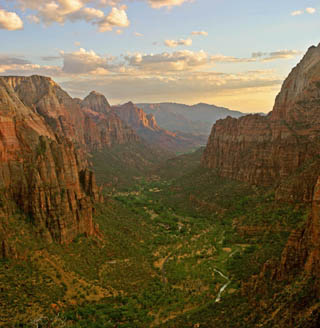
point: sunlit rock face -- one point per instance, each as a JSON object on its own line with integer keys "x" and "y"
{"x": 277, "y": 149}
{"x": 87, "y": 123}
{"x": 41, "y": 172}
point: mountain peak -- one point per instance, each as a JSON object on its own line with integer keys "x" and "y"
{"x": 97, "y": 102}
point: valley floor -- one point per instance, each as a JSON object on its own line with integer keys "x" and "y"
{"x": 170, "y": 253}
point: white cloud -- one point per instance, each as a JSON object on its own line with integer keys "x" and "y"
{"x": 10, "y": 21}
{"x": 166, "y": 3}
{"x": 82, "y": 62}
{"x": 297, "y": 13}
{"x": 87, "y": 14}
{"x": 164, "y": 76}
{"x": 117, "y": 17}
{"x": 310, "y": 10}
{"x": 180, "y": 42}
{"x": 280, "y": 54}
{"x": 203, "y": 33}
{"x": 19, "y": 68}
{"x": 167, "y": 62}
{"x": 60, "y": 11}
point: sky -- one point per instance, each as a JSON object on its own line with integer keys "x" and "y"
{"x": 229, "y": 53}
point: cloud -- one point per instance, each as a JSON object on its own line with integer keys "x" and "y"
{"x": 30, "y": 69}
{"x": 280, "y": 54}
{"x": 184, "y": 60}
{"x": 60, "y": 11}
{"x": 87, "y": 14}
{"x": 297, "y": 13}
{"x": 180, "y": 42}
{"x": 10, "y": 21}
{"x": 117, "y": 17}
{"x": 82, "y": 62}
{"x": 310, "y": 10}
{"x": 50, "y": 58}
{"x": 166, "y": 3}
{"x": 179, "y": 75}
{"x": 230, "y": 59}
{"x": 203, "y": 33}
{"x": 199, "y": 86}
{"x": 8, "y": 60}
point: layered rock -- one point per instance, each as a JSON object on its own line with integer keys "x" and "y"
{"x": 281, "y": 150}
{"x": 87, "y": 123}
{"x": 40, "y": 171}
{"x": 146, "y": 127}
{"x": 97, "y": 102}
{"x": 265, "y": 150}
{"x": 302, "y": 251}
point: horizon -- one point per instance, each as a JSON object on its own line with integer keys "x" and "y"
{"x": 157, "y": 51}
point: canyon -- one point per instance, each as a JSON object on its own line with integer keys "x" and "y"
{"x": 228, "y": 235}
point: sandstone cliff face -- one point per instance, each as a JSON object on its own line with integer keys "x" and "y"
{"x": 265, "y": 150}
{"x": 302, "y": 251}
{"x": 41, "y": 173}
{"x": 86, "y": 123}
{"x": 97, "y": 102}
{"x": 281, "y": 150}
{"x": 146, "y": 127}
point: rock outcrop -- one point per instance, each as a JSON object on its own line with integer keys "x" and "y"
{"x": 302, "y": 252}
{"x": 268, "y": 150}
{"x": 281, "y": 150}
{"x": 87, "y": 123}
{"x": 97, "y": 102}
{"x": 41, "y": 172}
{"x": 146, "y": 127}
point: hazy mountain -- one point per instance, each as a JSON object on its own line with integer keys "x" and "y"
{"x": 197, "y": 119}
{"x": 147, "y": 127}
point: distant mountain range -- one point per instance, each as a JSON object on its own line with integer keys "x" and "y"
{"x": 146, "y": 127}
{"x": 195, "y": 119}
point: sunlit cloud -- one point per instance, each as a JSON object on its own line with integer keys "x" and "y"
{"x": 116, "y": 18}
{"x": 166, "y": 3}
{"x": 153, "y": 77}
{"x": 176, "y": 43}
{"x": 10, "y": 21}
{"x": 309, "y": 10}
{"x": 297, "y": 13}
{"x": 202, "y": 33}
{"x": 60, "y": 11}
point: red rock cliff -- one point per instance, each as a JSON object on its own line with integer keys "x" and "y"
{"x": 266, "y": 150}
{"x": 41, "y": 173}
{"x": 86, "y": 123}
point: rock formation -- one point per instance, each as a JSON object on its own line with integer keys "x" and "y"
{"x": 281, "y": 150}
{"x": 265, "y": 150}
{"x": 41, "y": 172}
{"x": 146, "y": 127}
{"x": 87, "y": 123}
{"x": 97, "y": 102}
